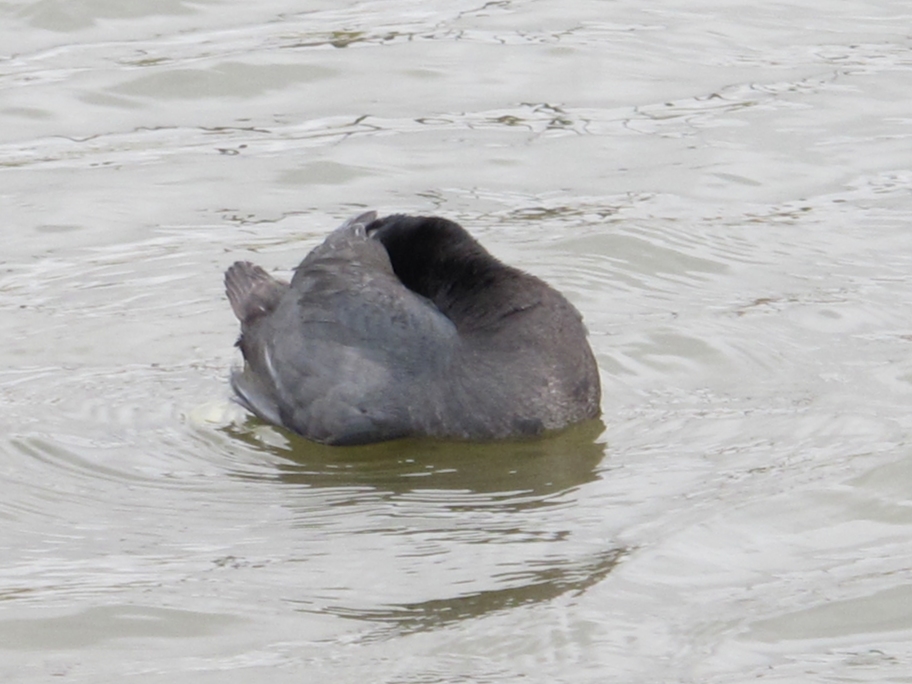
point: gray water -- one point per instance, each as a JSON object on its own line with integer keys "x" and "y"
{"x": 725, "y": 192}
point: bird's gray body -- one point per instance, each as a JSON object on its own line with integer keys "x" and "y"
{"x": 403, "y": 327}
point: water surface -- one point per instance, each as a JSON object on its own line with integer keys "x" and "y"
{"x": 724, "y": 192}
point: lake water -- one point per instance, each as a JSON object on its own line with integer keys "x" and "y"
{"x": 724, "y": 190}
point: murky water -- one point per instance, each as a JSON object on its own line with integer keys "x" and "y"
{"x": 724, "y": 191}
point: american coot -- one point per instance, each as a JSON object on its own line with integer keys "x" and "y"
{"x": 405, "y": 326}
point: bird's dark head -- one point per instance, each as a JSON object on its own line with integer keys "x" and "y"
{"x": 438, "y": 259}
{"x": 431, "y": 254}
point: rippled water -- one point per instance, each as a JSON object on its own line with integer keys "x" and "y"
{"x": 724, "y": 191}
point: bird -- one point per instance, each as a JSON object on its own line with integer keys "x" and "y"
{"x": 406, "y": 327}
